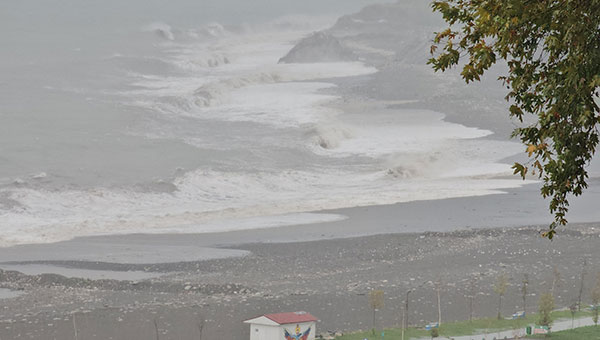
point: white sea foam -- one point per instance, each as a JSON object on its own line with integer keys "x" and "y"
{"x": 388, "y": 155}
{"x": 217, "y": 69}
{"x": 9, "y": 294}
{"x": 208, "y": 201}
{"x": 409, "y": 131}
{"x": 91, "y": 274}
{"x": 284, "y": 105}
{"x": 161, "y": 29}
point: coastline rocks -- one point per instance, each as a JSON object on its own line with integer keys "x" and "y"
{"x": 319, "y": 47}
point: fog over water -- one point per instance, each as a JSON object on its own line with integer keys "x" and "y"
{"x": 143, "y": 116}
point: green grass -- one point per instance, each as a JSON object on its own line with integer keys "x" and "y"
{"x": 393, "y": 333}
{"x": 462, "y": 327}
{"x": 582, "y": 333}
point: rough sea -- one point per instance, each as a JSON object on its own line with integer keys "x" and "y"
{"x": 154, "y": 117}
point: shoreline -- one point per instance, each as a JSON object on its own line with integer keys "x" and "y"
{"x": 514, "y": 208}
{"x": 329, "y": 278}
{"x": 326, "y": 269}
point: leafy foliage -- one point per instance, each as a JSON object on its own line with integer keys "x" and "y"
{"x": 524, "y": 284}
{"x": 500, "y": 289}
{"x": 376, "y": 302}
{"x": 546, "y": 306}
{"x": 552, "y": 49}
{"x": 376, "y": 299}
{"x": 461, "y": 328}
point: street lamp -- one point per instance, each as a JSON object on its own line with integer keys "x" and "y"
{"x": 405, "y": 313}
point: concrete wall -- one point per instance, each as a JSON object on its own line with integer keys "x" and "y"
{"x": 291, "y": 328}
{"x": 264, "y": 332}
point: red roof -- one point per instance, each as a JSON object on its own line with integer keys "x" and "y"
{"x": 293, "y": 317}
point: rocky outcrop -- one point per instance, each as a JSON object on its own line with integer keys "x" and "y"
{"x": 319, "y": 47}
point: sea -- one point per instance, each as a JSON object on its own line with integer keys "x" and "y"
{"x": 150, "y": 116}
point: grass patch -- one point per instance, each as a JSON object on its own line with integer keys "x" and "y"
{"x": 582, "y": 333}
{"x": 392, "y": 333}
{"x": 459, "y": 328}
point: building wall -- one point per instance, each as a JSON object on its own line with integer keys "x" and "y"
{"x": 264, "y": 332}
{"x": 291, "y": 328}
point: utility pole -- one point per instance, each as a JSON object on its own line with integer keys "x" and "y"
{"x": 525, "y": 282}
{"x": 438, "y": 287}
{"x": 472, "y": 284}
{"x": 75, "y": 326}
{"x": 406, "y": 309}
{"x": 156, "y": 329}
{"x": 581, "y": 285}
{"x": 405, "y": 313}
{"x": 200, "y": 327}
{"x": 403, "y": 318}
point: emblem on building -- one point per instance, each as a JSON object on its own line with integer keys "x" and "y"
{"x": 298, "y": 336}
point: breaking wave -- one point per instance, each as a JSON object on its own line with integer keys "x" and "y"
{"x": 161, "y": 30}
{"x": 166, "y": 32}
{"x": 202, "y": 83}
{"x": 205, "y": 198}
{"x": 329, "y": 136}
{"x": 213, "y": 93}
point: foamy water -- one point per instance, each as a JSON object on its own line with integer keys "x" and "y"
{"x": 200, "y": 129}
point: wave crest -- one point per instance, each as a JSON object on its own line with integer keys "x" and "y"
{"x": 167, "y": 32}
{"x": 202, "y": 61}
{"x": 213, "y": 93}
{"x": 330, "y": 136}
{"x": 160, "y": 29}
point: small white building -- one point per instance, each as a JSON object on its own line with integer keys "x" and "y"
{"x": 283, "y": 326}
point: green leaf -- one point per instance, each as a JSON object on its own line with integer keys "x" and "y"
{"x": 552, "y": 49}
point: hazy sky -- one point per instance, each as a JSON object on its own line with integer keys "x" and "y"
{"x": 185, "y": 12}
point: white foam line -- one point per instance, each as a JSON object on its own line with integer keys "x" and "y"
{"x": 37, "y": 269}
{"x": 214, "y": 201}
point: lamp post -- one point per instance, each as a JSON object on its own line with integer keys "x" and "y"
{"x": 405, "y": 313}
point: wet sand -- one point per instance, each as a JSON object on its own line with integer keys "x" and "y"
{"x": 516, "y": 207}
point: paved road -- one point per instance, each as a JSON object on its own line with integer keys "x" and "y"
{"x": 561, "y": 325}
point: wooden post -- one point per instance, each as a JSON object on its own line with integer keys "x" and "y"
{"x": 581, "y": 286}
{"x": 200, "y": 328}
{"x": 403, "y": 315}
{"x": 438, "y": 286}
{"x": 75, "y": 327}
{"x": 406, "y": 309}
{"x": 156, "y": 329}
{"x": 524, "y": 292}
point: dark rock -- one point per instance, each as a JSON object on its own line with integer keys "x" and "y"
{"x": 319, "y": 47}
